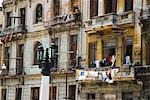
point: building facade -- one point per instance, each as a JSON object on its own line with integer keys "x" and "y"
{"x": 142, "y": 72}
{"x": 97, "y": 44}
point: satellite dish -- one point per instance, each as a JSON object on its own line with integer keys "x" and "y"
{"x": 3, "y": 66}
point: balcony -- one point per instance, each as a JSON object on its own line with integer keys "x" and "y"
{"x": 105, "y": 74}
{"x": 101, "y": 21}
{"x": 59, "y": 21}
{"x": 13, "y": 72}
{"x": 125, "y": 74}
{"x": 15, "y": 29}
{"x": 112, "y": 19}
{"x": 126, "y": 18}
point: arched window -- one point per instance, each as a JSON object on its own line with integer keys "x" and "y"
{"x": 36, "y": 45}
{"x": 39, "y": 13}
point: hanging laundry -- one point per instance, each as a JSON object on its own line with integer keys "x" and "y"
{"x": 102, "y": 63}
{"x": 128, "y": 61}
{"x": 97, "y": 63}
{"x": 109, "y": 76}
{"x": 113, "y": 59}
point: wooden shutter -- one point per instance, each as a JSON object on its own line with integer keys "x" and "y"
{"x": 23, "y": 15}
{"x": 72, "y": 92}
{"x": 128, "y": 5}
{"x": 54, "y": 92}
{"x": 108, "y": 6}
{"x": 114, "y": 6}
{"x": 93, "y": 8}
{"x": 92, "y": 52}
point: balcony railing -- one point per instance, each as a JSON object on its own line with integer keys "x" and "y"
{"x": 15, "y": 29}
{"x": 126, "y": 17}
{"x": 125, "y": 73}
{"x": 104, "y": 20}
{"x": 111, "y": 19}
{"x": 12, "y": 72}
{"x": 58, "y": 20}
{"x": 106, "y": 74}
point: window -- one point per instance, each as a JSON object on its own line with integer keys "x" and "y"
{"x": 8, "y": 19}
{"x": 19, "y": 60}
{"x": 93, "y": 8}
{"x": 128, "y": 5}
{"x": 129, "y": 47}
{"x": 23, "y": 16}
{"x": 148, "y": 53}
{"x": 39, "y": 13}
{"x": 18, "y": 93}
{"x": 6, "y": 57}
{"x": 110, "y": 6}
{"x": 91, "y": 96}
{"x": 35, "y": 93}
{"x": 127, "y": 96}
{"x": 36, "y": 45}
{"x": 73, "y": 49}
{"x": 72, "y": 92}
{"x": 109, "y": 49}
{"x": 55, "y": 60}
{"x": 148, "y": 2}
{"x": 54, "y": 90}
{"x": 3, "y": 95}
{"x": 109, "y": 97}
{"x": 56, "y": 7}
{"x": 92, "y": 53}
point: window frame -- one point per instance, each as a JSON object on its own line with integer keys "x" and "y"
{"x": 93, "y": 8}
{"x": 54, "y": 94}
{"x": 91, "y": 94}
{"x": 4, "y": 95}
{"x": 33, "y": 89}
{"x": 8, "y": 19}
{"x": 35, "y": 48}
{"x": 112, "y": 9}
{"x": 73, "y": 47}
{"x": 72, "y": 91}
{"x": 56, "y": 7}
{"x": 126, "y": 2}
{"x": 22, "y": 20}
{"x": 92, "y": 51}
{"x": 18, "y": 95}
{"x": 108, "y": 47}
{"x": 7, "y": 57}
{"x": 126, "y": 43}
{"x": 42, "y": 12}
{"x": 20, "y": 59}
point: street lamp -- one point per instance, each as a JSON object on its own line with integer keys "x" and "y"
{"x": 46, "y": 64}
